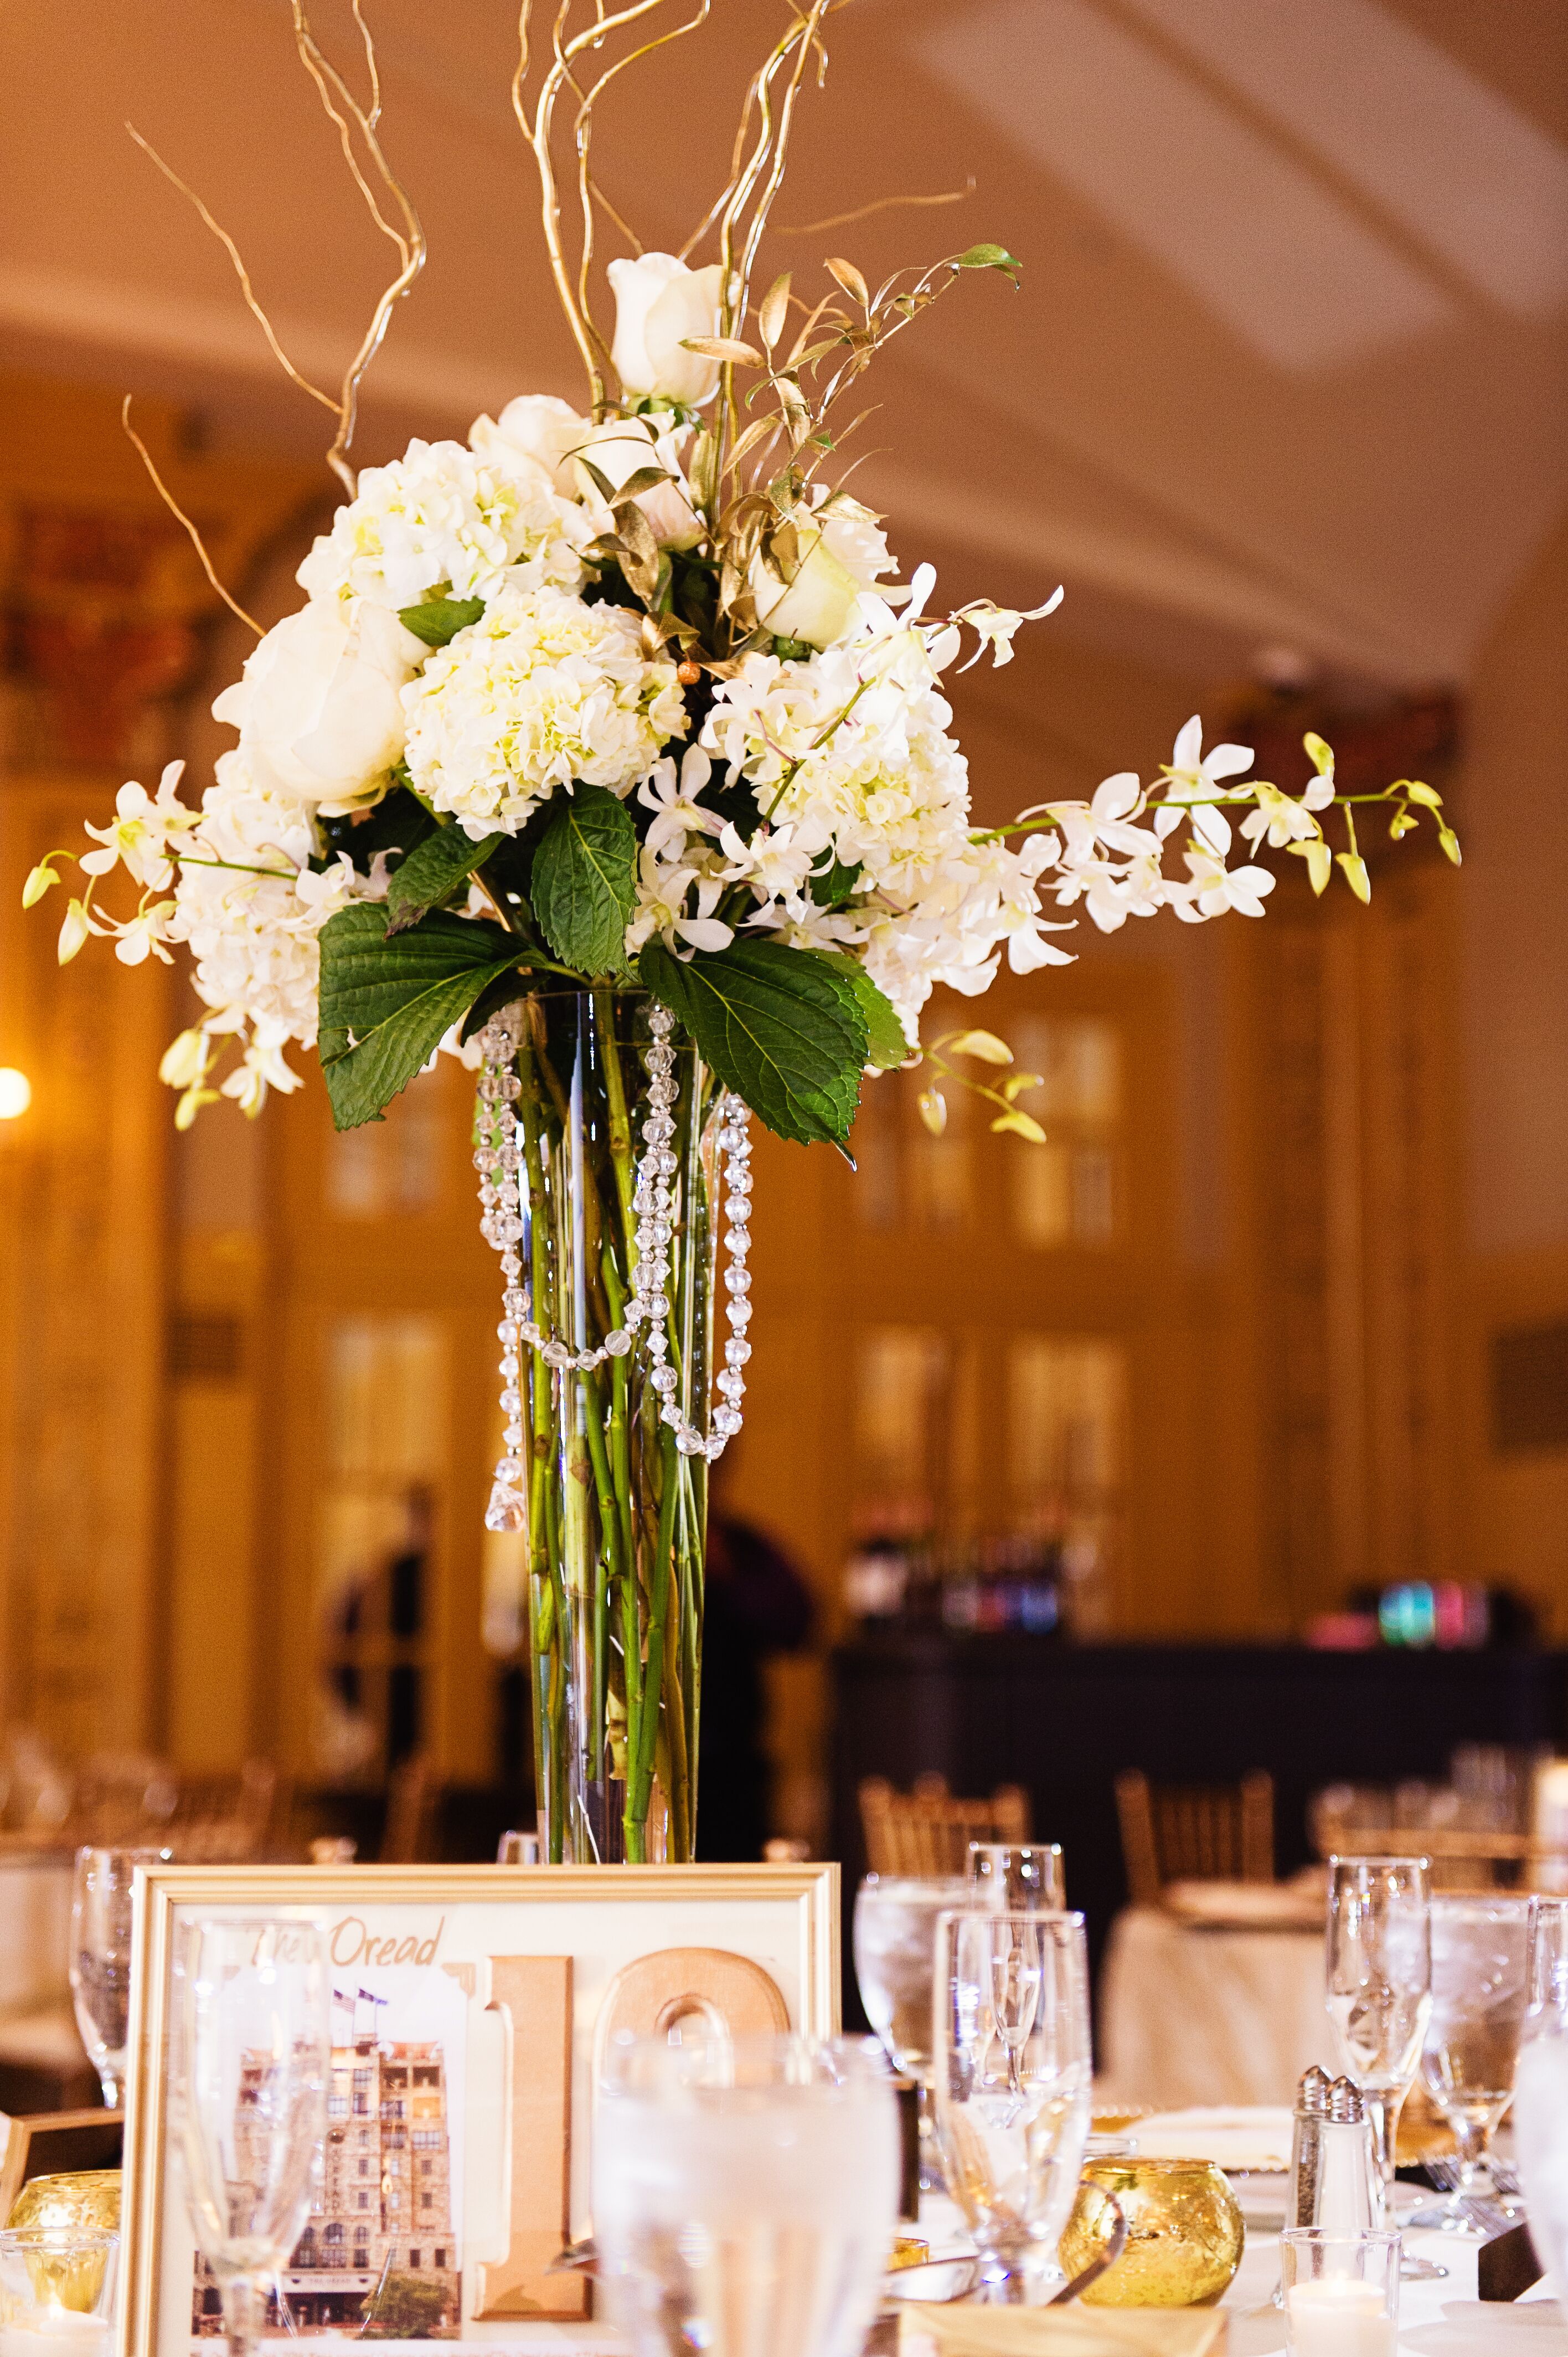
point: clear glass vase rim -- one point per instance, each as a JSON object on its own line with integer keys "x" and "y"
{"x": 1067, "y": 1919}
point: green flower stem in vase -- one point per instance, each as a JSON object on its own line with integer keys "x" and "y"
{"x": 599, "y": 1142}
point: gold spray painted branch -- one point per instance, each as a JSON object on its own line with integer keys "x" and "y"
{"x": 879, "y": 205}
{"x": 345, "y": 111}
{"x": 174, "y": 509}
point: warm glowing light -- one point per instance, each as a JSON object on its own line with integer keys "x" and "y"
{"x": 16, "y": 1092}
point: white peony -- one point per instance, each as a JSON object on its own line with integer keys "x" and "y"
{"x": 534, "y": 436}
{"x": 443, "y": 519}
{"x": 543, "y": 691}
{"x": 659, "y": 302}
{"x": 318, "y": 709}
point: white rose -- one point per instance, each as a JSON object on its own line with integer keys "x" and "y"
{"x": 659, "y": 303}
{"x": 617, "y": 449}
{"x": 533, "y": 437}
{"x": 320, "y": 709}
{"x": 818, "y": 601}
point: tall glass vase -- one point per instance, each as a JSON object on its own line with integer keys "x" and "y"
{"x": 581, "y": 1102}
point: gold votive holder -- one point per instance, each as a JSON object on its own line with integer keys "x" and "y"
{"x": 1184, "y": 2234}
{"x": 80, "y": 2200}
{"x": 907, "y": 2251}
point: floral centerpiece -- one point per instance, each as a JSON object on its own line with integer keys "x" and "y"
{"x": 609, "y": 751}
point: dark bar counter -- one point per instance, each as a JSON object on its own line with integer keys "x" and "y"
{"x": 1063, "y": 1720}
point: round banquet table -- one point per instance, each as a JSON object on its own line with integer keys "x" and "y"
{"x": 1191, "y": 2014}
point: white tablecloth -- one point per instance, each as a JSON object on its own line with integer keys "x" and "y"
{"x": 1194, "y": 2016}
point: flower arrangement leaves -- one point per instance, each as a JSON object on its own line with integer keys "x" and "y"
{"x": 785, "y": 1031}
{"x": 432, "y": 872}
{"x": 583, "y": 886}
{"x": 387, "y": 1002}
{"x": 438, "y": 619}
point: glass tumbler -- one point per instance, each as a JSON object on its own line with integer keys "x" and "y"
{"x": 1340, "y": 2292}
{"x": 1011, "y": 2091}
{"x": 745, "y": 2194}
{"x": 1020, "y": 1876}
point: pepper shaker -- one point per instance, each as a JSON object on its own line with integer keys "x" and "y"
{"x": 1307, "y": 2145}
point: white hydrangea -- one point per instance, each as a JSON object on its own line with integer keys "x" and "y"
{"x": 542, "y": 690}
{"x": 445, "y": 518}
{"x": 251, "y": 924}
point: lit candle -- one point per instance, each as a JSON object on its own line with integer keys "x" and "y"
{"x": 55, "y": 2332}
{"x": 1335, "y": 2316}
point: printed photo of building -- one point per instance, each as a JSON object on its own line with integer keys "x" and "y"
{"x": 380, "y": 2249}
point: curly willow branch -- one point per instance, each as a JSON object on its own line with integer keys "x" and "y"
{"x": 344, "y": 110}
{"x": 175, "y": 510}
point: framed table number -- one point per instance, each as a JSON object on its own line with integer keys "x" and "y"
{"x": 471, "y": 2007}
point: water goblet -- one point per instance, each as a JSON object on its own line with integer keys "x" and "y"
{"x": 100, "y": 1966}
{"x": 252, "y": 2064}
{"x": 1379, "y": 1985}
{"x": 1023, "y": 1877}
{"x": 1540, "y": 2090}
{"x": 745, "y": 2194}
{"x": 1480, "y": 1989}
{"x": 1012, "y": 2093}
{"x": 894, "y": 1961}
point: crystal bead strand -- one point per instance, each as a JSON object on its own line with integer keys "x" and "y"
{"x": 498, "y": 1161}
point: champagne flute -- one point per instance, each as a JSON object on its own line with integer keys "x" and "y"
{"x": 100, "y": 1958}
{"x": 1480, "y": 1987}
{"x": 1380, "y": 1987}
{"x": 1023, "y": 1877}
{"x": 745, "y": 2194}
{"x": 254, "y": 2059}
{"x": 1540, "y": 2090}
{"x": 1013, "y": 2069}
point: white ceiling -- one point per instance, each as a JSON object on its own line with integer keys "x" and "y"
{"x": 1288, "y": 364}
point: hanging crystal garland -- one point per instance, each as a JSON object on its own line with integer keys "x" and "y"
{"x": 498, "y": 1159}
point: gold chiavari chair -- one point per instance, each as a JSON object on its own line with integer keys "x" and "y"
{"x": 925, "y": 1832}
{"x": 1194, "y": 1833}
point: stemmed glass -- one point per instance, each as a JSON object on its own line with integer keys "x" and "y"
{"x": 1379, "y": 1990}
{"x": 894, "y": 1959}
{"x": 254, "y": 2062}
{"x": 1013, "y": 2071}
{"x": 100, "y": 1958}
{"x": 745, "y": 2194}
{"x": 1540, "y": 2090}
{"x": 1480, "y": 1987}
{"x": 1025, "y": 1876}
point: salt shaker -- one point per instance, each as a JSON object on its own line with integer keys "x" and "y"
{"x": 1307, "y": 2146}
{"x": 1345, "y": 2203}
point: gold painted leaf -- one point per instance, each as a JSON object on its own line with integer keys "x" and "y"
{"x": 724, "y": 347}
{"x": 774, "y": 310}
{"x": 850, "y": 279}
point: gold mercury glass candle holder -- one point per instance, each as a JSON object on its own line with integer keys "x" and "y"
{"x": 84, "y": 2200}
{"x": 1184, "y": 2234}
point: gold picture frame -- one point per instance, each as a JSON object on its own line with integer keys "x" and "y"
{"x": 514, "y": 1976}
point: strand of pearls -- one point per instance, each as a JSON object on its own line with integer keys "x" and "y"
{"x": 498, "y": 1158}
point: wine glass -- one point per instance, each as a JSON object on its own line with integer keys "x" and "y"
{"x": 1379, "y": 1985}
{"x": 1025, "y": 1876}
{"x": 1012, "y": 2071}
{"x": 1540, "y": 2090}
{"x": 1480, "y": 1988}
{"x": 254, "y": 2059}
{"x": 745, "y": 2194}
{"x": 100, "y": 1958}
{"x": 894, "y": 1959}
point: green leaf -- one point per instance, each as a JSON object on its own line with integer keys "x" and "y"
{"x": 987, "y": 257}
{"x": 439, "y": 620}
{"x": 436, "y": 869}
{"x": 886, "y": 1047}
{"x": 780, "y": 1025}
{"x": 386, "y": 1000}
{"x": 838, "y": 881}
{"x": 584, "y": 880}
